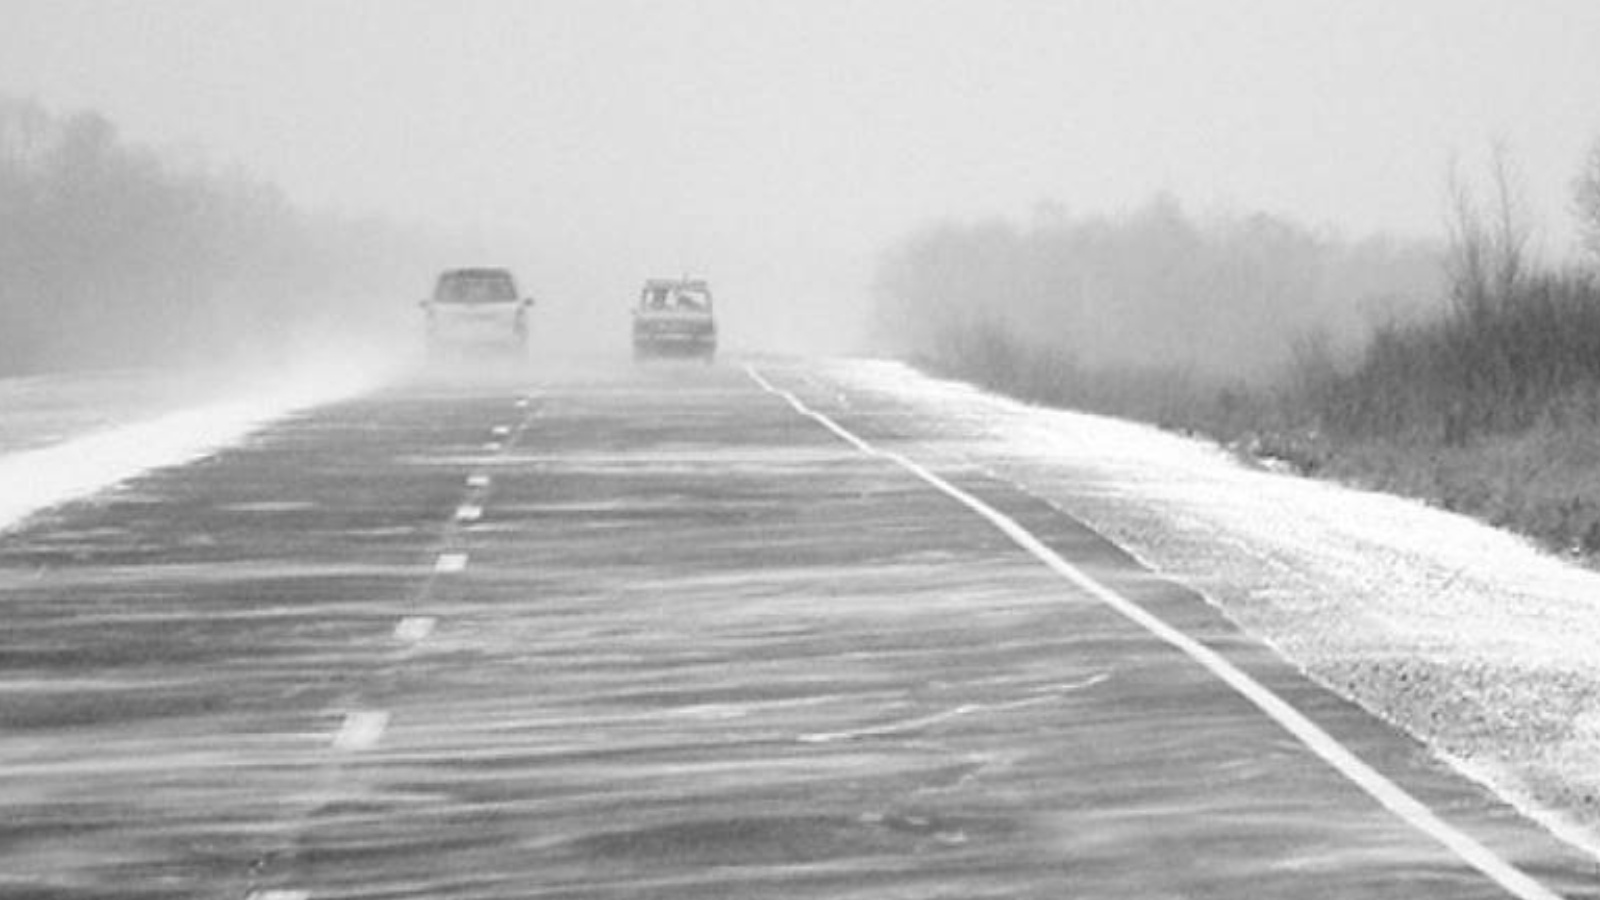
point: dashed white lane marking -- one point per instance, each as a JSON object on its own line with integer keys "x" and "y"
{"x": 278, "y": 895}
{"x": 522, "y": 402}
{"x": 478, "y": 481}
{"x": 492, "y": 447}
{"x": 361, "y": 730}
{"x": 414, "y": 629}
{"x": 450, "y": 562}
{"x": 500, "y": 431}
{"x": 1392, "y": 796}
{"x": 469, "y": 512}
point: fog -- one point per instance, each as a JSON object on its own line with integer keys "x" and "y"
{"x": 111, "y": 255}
{"x": 778, "y": 150}
{"x": 1227, "y": 296}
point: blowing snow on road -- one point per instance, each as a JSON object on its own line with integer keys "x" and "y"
{"x": 799, "y": 451}
{"x": 680, "y": 630}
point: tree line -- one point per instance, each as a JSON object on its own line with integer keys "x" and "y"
{"x": 112, "y": 255}
{"x": 1228, "y": 297}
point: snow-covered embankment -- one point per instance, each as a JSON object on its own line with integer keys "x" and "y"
{"x": 39, "y": 477}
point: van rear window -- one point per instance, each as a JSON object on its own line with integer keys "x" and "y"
{"x": 475, "y": 287}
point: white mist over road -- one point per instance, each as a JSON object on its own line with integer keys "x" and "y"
{"x": 775, "y": 148}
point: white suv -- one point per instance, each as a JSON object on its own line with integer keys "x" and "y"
{"x": 477, "y": 307}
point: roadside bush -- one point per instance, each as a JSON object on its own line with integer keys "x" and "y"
{"x": 1495, "y": 367}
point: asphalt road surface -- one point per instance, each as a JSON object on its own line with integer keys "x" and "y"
{"x": 669, "y": 631}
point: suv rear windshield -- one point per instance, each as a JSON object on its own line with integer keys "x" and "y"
{"x": 475, "y": 287}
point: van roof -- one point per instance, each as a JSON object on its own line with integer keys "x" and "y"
{"x": 481, "y": 272}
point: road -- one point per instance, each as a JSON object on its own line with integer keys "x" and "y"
{"x": 671, "y": 631}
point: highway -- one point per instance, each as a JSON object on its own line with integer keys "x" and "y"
{"x": 671, "y": 631}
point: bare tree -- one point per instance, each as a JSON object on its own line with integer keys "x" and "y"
{"x": 1586, "y": 201}
{"x": 1488, "y": 246}
{"x": 24, "y": 133}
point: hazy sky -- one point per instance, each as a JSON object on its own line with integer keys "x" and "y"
{"x": 776, "y": 146}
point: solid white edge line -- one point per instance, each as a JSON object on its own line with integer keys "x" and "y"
{"x": 1392, "y": 796}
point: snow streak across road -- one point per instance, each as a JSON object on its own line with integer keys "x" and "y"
{"x": 671, "y": 632}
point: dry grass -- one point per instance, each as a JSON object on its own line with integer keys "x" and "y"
{"x": 1543, "y": 481}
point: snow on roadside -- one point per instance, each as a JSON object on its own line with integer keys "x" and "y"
{"x": 40, "y": 477}
{"x": 1470, "y": 638}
